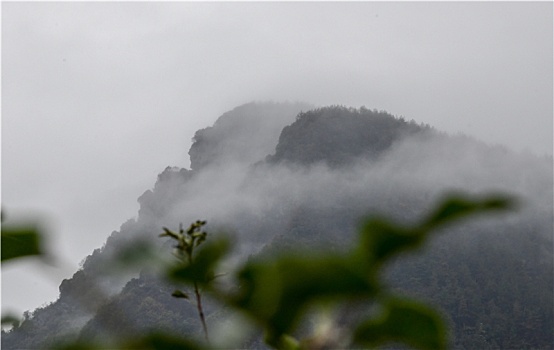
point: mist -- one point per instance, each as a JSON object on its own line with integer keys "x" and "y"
{"x": 259, "y": 199}
{"x": 262, "y": 202}
{"x": 99, "y": 98}
{"x": 372, "y": 164}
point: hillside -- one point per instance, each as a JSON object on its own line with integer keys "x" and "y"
{"x": 282, "y": 176}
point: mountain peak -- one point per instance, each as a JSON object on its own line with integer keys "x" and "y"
{"x": 245, "y": 134}
{"x": 338, "y": 135}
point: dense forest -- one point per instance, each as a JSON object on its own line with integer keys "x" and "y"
{"x": 292, "y": 177}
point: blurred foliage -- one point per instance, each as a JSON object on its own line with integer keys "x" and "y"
{"x": 20, "y": 241}
{"x": 197, "y": 269}
{"x": 277, "y": 292}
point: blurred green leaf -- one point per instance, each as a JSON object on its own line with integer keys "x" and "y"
{"x": 404, "y": 321}
{"x": 179, "y": 294}
{"x": 381, "y": 239}
{"x": 276, "y": 293}
{"x": 202, "y": 268}
{"x": 457, "y": 206}
{"x": 289, "y": 343}
{"x": 20, "y": 242}
{"x": 10, "y": 319}
{"x": 169, "y": 233}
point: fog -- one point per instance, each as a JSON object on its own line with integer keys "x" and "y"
{"x": 257, "y": 200}
{"x": 99, "y": 98}
{"x": 420, "y": 169}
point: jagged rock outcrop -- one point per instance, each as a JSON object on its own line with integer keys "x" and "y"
{"x": 245, "y": 135}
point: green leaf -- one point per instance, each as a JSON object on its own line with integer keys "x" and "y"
{"x": 457, "y": 206}
{"x": 169, "y": 233}
{"x": 277, "y": 292}
{"x": 19, "y": 242}
{"x": 10, "y": 319}
{"x": 179, "y": 294}
{"x": 403, "y": 321}
{"x": 381, "y": 239}
{"x": 289, "y": 343}
{"x": 201, "y": 270}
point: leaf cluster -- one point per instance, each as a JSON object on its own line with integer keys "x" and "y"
{"x": 277, "y": 292}
{"x": 19, "y": 242}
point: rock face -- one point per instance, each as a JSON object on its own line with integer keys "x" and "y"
{"x": 246, "y": 134}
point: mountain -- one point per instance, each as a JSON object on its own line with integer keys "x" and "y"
{"x": 244, "y": 135}
{"x": 337, "y": 136}
{"x": 287, "y": 176}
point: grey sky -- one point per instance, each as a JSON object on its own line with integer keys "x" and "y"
{"x": 98, "y": 98}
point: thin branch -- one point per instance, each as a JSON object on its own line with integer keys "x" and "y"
{"x": 201, "y": 312}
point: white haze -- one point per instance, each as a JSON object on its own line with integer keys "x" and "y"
{"x": 257, "y": 202}
{"x": 254, "y": 203}
{"x": 425, "y": 168}
{"x": 98, "y": 98}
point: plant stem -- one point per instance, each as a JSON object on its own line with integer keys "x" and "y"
{"x": 201, "y": 312}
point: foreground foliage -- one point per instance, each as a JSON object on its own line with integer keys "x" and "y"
{"x": 278, "y": 292}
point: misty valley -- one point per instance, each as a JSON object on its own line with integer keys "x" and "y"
{"x": 291, "y": 177}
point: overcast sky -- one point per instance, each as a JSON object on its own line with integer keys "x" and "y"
{"x": 98, "y": 98}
